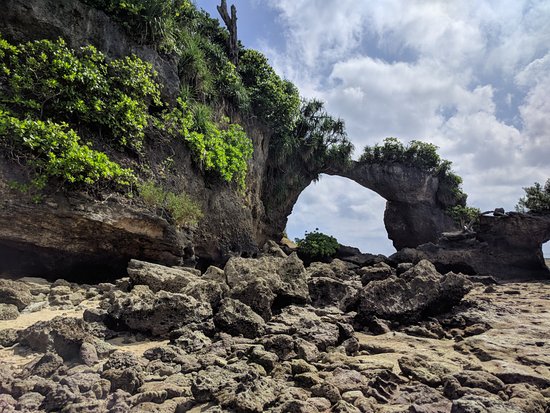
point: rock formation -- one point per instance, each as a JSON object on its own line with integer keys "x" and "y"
{"x": 95, "y": 347}
{"x": 234, "y": 224}
{"x": 506, "y": 246}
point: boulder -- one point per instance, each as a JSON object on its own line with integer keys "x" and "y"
{"x": 8, "y": 311}
{"x": 419, "y": 292}
{"x": 15, "y": 293}
{"x": 325, "y": 292}
{"x": 267, "y": 282}
{"x": 376, "y": 272}
{"x": 159, "y": 277}
{"x": 156, "y": 314}
{"x": 238, "y": 387}
{"x": 481, "y": 404}
{"x": 304, "y": 323}
{"x": 62, "y": 335}
{"x": 124, "y": 371}
{"x": 236, "y": 318}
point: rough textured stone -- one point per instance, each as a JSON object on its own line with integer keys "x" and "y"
{"x": 416, "y": 293}
{"x": 236, "y": 318}
{"x": 61, "y": 335}
{"x": 326, "y": 292}
{"x": 267, "y": 282}
{"x": 507, "y": 247}
{"x": 8, "y": 312}
{"x": 480, "y": 404}
{"x": 124, "y": 371}
{"x": 15, "y": 293}
{"x": 159, "y": 277}
{"x": 156, "y": 314}
{"x": 238, "y": 387}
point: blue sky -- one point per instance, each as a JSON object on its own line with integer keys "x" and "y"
{"x": 470, "y": 77}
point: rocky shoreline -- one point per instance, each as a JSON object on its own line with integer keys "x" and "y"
{"x": 267, "y": 334}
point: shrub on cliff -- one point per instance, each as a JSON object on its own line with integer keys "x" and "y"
{"x": 54, "y": 150}
{"x": 179, "y": 207}
{"x": 316, "y": 246}
{"x": 421, "y": 155}
{"x": 536, "y": 199}
{"x": 225, "y": 150}
{"x": 46, "y": 80}
{"x": 464, "y": 216}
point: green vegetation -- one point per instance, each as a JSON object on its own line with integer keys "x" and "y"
{"x": 464, "y": 216}
{"x": 275, "y": 100}
{"x": 317, "y": 246}
{"x": 55, "y": 151}
{"x": 225, "y": 150}
{"x": 179, "y": 207}
{"x": 58, "y": 91}
{"x": 47, "y": 80}
{"x": 420, "y": 155}
{"x": 536, "y": 199}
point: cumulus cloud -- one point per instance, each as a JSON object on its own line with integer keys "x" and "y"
{"x": 471, "y": 77}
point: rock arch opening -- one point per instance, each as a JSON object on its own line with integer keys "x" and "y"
{"x": 340, "y": 207}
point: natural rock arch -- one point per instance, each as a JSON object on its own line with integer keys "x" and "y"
{"x": 415, "y": 200}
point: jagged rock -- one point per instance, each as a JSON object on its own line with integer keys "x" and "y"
{"x": 262, "y": 283}
{"x": 376, "y": 272}
{"x": 257, "y": 294}
{"x": 45, "y": 366}
{"x": 159, "y": 277}
{"x": 325, "y": 292}
{"x": 237, "y": 318}
{"x": 336, "y": 269}
{"x": 304, "y": 323}
{"x": 527, "y": 398}
{"x": 29, "y": 402}
{"x": 189, "y": 340}
{"x": 88, "y": 354}
{"x": 480, "y": 404}
{"x": 171, "y": 354}
{"x": 8, "y": 403}
{"x": 156, "y": 314}
{"x": 306, "y": 350}
{"x": 175, "y": 385}
{"x": 506, "y": 247}
{"x": 425, "y": 371}
{"x": 480, "y": 380}
{"x": 8, "y": 312}
{"x": 58, "y": 398}
{"x": 273, "y": 249}
{"x": 15, "y": 293}
{"x": 124, "y": 371}
{"x": 281, "y": 344}
{"x": 355, "y": 256}
{"x": 266, "y": 359}
{"x": 8, "y": 337}
{"x": 238, "y": 387}
{"x": 63, "y": 335}
{"x": 416, "y": 293}
{"x": 208, "y": 291}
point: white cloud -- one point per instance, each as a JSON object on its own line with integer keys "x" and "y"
{"x": 452, "y": 73}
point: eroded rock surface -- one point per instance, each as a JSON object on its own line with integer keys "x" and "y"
{"x": 174, "y": 353}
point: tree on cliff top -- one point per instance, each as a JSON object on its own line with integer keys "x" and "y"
{"x": 536, "y": 199}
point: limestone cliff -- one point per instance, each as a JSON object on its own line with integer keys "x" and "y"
{"x": 101, "y": 235}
